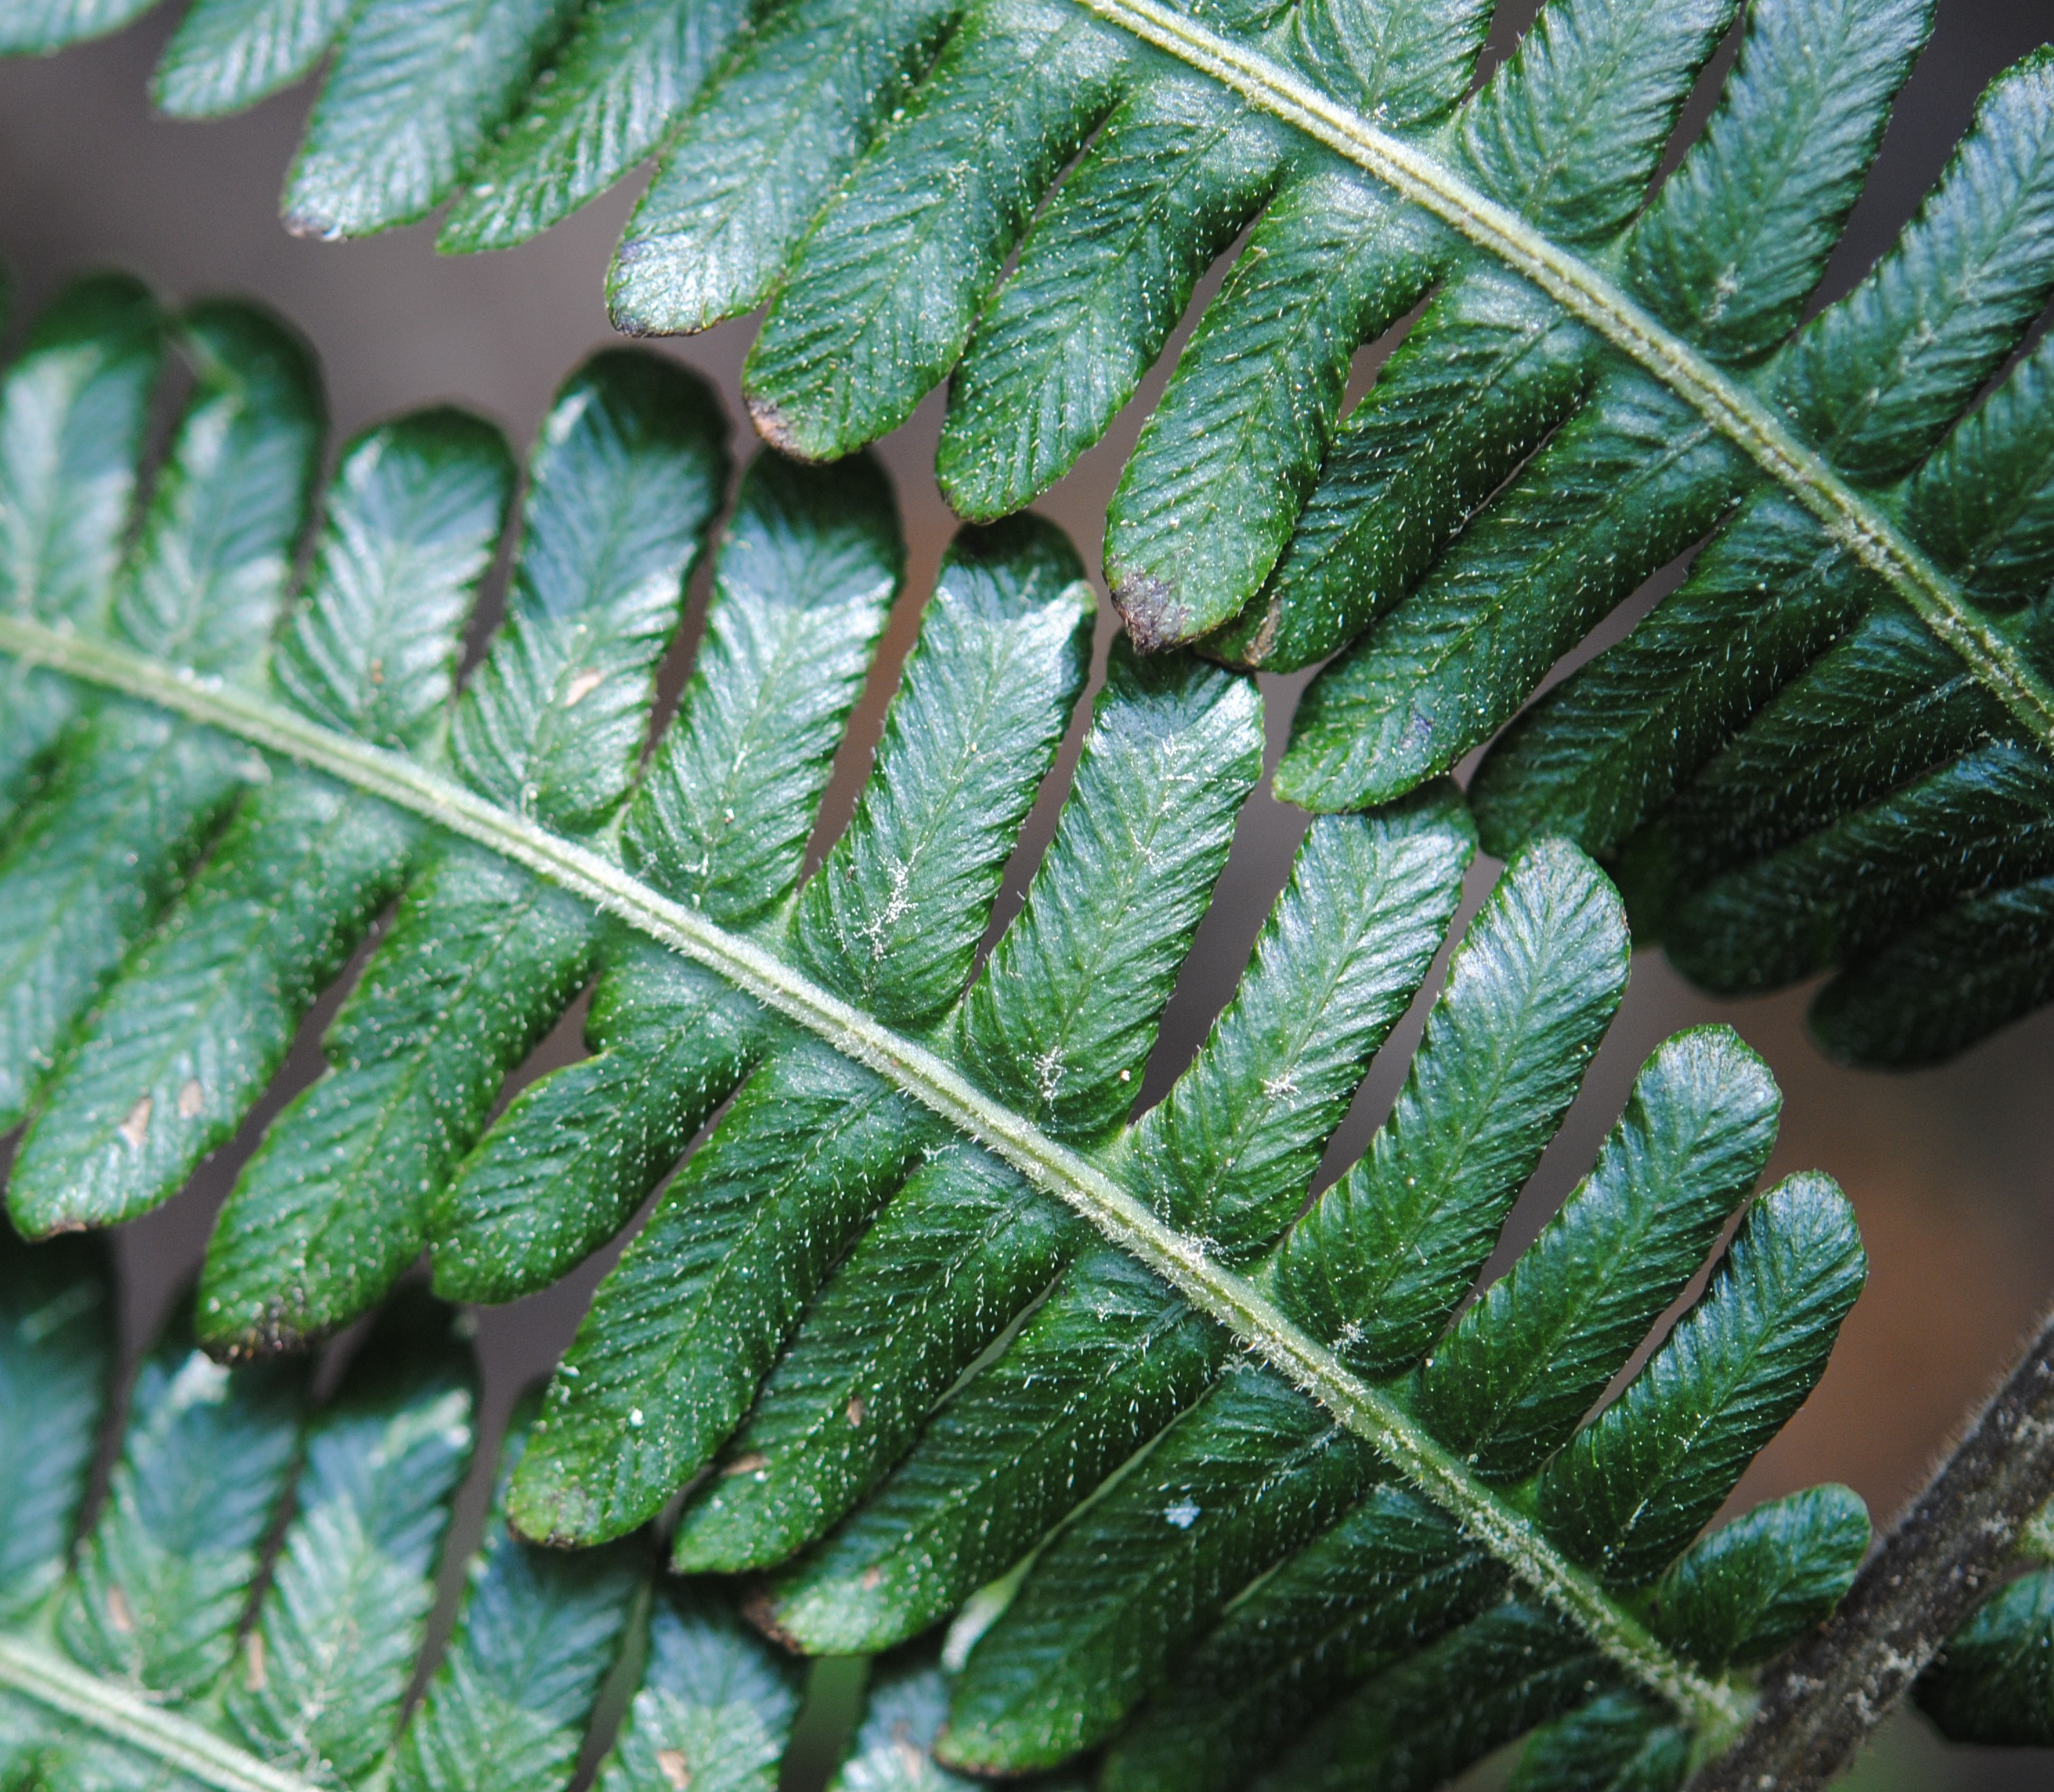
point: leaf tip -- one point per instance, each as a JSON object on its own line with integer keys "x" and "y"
{"x": 782, "y": 431}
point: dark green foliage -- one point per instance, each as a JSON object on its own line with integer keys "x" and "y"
{"x": 410, "y": 101}
{"x": 894, "y": 918}
{"x": 127, "y": 805}
{"x": 1248, "y": 1476}
{"x": 1778, "y": 721}
{"x": 1731, "y": 248}
{"x": 72, "y": 416}
{"x": 1380, "y": 1262}
{"x": 1401, "y": 1733}
{"x": 1650, "y": 1471}
{"x": 1243, "y": 425}
{"x": 877, "y": 1362}
{"x": 201, "y": 1640}
{"x": 619, "y": 74}
{"x": 1752, "y": 1587}
{"x": 330, "y": 1211}
{"x": 184, "y": 1044}
{"x": 481, "y": 958}
{"x": 1389, "y": 1578}
{"x": 1016, "y": 198}
{"x": 761, "y": 151}
{"x": 1175, "y": 169}
{"x": 885, "y": 1367}
{"x": 327, "y": 1659}
{"x": 1063, "y": 1019}
{"x": 807, "y": 571}
{"x": 55, "y": 1351}
{"x": 1994, "y": 1683}
{"x": 1617, "y": 1743}
{"x": 1632, "y": 481}
{"x": 537, "y": 1636}
{"x": 715, "y": 1708}
{"x": 1062, "y": 1667}
{"x": 579, "y": 1149}
{"x": 1527, "y": 1360}
{"x": 1229, "y": 1152}
{"x": 161, "y": 1584}
{"x": 963, "y": 1246}
{"x": 226, "y": 54}
{"x": 1105, "y": 1362}
{"x": 893, "y": 1750}
{"x": 880, "y": 301}
{"x": 685, "y": 1325}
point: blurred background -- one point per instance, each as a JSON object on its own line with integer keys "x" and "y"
{"x": 1952, "y": 1170}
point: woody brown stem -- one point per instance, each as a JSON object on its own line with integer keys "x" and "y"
{"x": 1823, "y": 1700}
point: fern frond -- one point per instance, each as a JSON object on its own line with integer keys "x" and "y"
{"x": 1607, "y": 362}
{"x": 248, "y": 1605}
{"x": 932, "y": 1306}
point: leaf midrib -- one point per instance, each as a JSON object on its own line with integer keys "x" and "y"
{"x": 131, "y": 1719}
{"x": 1578, "y": 285}
{"x": 1715, "y": 1711}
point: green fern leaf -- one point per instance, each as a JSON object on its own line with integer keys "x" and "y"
{"x": 127, "y": 809}
{"x": 760, "y": 151}
{"x": 537, "y": 1637}
{"x": 623, "y": 72}
{"x": 160, "y": 1587}
{"x": 414, "y": 96}
{"x": 44, "y": 26}
{"x": 715, "y": 1708}
{"x": 1608, "y": 354}
{"x": 227, "y": 54}
{"x": 53, "y": 1379}
{"x": 298, "y": 876}
{"x": 72, "y": 416}
{"x": 190, "y": 1645}
{"x": 1370, "y": 1591}
{"x": 1617, "y": 1743}
{"x": 1991, "y": 1684}
{"x": 1749, "y": 1590}
{"x": 931, "y": 1324}
{"x": 482, "y": 958}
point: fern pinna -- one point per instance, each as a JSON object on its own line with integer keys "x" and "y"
{"x": 928, "y": 1326}
{"x": 1850, "y": 695}
{"x": 192, "y": 1644}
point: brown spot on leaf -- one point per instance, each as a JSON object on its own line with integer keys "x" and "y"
{"x": 761, "y": 1610}
{"x": 119, "y": 1613}
{"x": 252, "y": 1661}
{"x": 582, "y": 686}
{"x": 855, "y": 1411}
{"x": 747, "y": 1464}
{"x": 312, "y": 224}
{"x": 776, "y": 428}
{"x": 191, "y": 1098}
{"x": 1154, "y": 617}
{"x": 671, "y": 1761}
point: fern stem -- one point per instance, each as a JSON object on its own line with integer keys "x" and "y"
{"x": 111, "y": 1709}
{"x": 1714, "y": 1710}
{"x": 1822, "y": 1700}
{"x": 1587, "y": 294}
